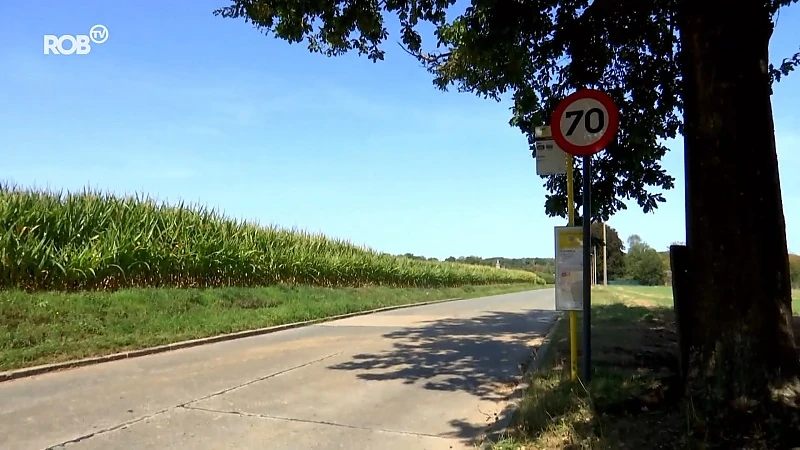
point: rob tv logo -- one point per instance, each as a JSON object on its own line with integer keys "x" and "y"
{"x": 80, "y": 44}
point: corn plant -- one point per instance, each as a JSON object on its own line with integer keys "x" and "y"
{"x": 90, "y": 240}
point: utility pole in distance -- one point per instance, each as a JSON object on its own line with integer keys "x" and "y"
{"x": 605, "y": 255}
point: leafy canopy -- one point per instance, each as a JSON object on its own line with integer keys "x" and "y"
{"x": 536, "y": 52}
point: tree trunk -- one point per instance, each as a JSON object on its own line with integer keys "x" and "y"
{"x": 742, "y": 345}
{"x": 679, "y": 259}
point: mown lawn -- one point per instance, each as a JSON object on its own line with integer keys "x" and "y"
{"x": 46, "y": 327}
{"x": 662, "y": 295}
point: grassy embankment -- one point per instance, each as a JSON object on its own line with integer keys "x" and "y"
{"x": 629, "y": 404}
{"x": 87, "y": 274}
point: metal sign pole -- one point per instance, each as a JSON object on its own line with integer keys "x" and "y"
{"x": 552, "y": 160}
{"x": 573, "y": 315}
{"x": 584, "y": 123}
{"x": 587, "y": 280}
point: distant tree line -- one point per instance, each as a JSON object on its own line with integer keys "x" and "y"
{"x": 641, "y": 263}
{"x": 538, "y": 265}
{"x": 544, "y": 267}
{"x": 644, "y": 264}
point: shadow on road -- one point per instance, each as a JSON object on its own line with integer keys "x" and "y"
{"x": 472, "y": 355}
{"x": 483, "y": 356}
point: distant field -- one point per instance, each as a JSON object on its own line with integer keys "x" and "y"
{"x": 796, "y": 302}
{"x": 93, "y": 241}
{"x": 662, "y": 295}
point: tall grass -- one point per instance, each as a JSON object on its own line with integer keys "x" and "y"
{"x": 90, "y": 240}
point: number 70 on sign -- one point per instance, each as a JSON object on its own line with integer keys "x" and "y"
{"x": 585, "y": 122}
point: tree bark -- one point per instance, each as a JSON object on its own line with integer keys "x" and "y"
{"x": 742, "y": 345}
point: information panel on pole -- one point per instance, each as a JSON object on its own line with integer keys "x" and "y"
{"x": 569, "y": 268}
{"x": 550, "y": 160}
{"x": 585, "y": 122}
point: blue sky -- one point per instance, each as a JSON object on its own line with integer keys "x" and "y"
{"x": 183, "y": 105}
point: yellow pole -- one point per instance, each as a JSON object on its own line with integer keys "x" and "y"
{"x": 573, "y": 315}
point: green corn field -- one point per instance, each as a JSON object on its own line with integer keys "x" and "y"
{"x": 90, "y": 240}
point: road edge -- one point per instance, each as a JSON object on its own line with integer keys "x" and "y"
{"x": 500, "y": 427}
{"x": 54, "y": 367}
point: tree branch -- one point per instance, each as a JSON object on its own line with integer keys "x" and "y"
{"x": 428, "y": 58}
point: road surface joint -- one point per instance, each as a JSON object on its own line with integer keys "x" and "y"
{"x": 186, "y": 404}
{"x": 315, "y": 422}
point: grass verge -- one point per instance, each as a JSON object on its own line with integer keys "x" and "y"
{"x": 46, "y": 327}
{"x": 633, "y": 345}
{"x": 630, "y": 403}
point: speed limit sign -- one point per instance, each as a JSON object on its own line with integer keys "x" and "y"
{"x": 585, "y": 122}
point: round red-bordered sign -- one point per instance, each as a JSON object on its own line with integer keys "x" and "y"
{"x": 585, "y": 122}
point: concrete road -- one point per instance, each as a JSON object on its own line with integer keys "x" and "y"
{"x": 429, "y": 377}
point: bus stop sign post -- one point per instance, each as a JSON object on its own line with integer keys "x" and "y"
{"x": 582, "y": 125}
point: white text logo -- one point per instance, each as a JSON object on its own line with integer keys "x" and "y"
{"x": 80, "y": 44}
